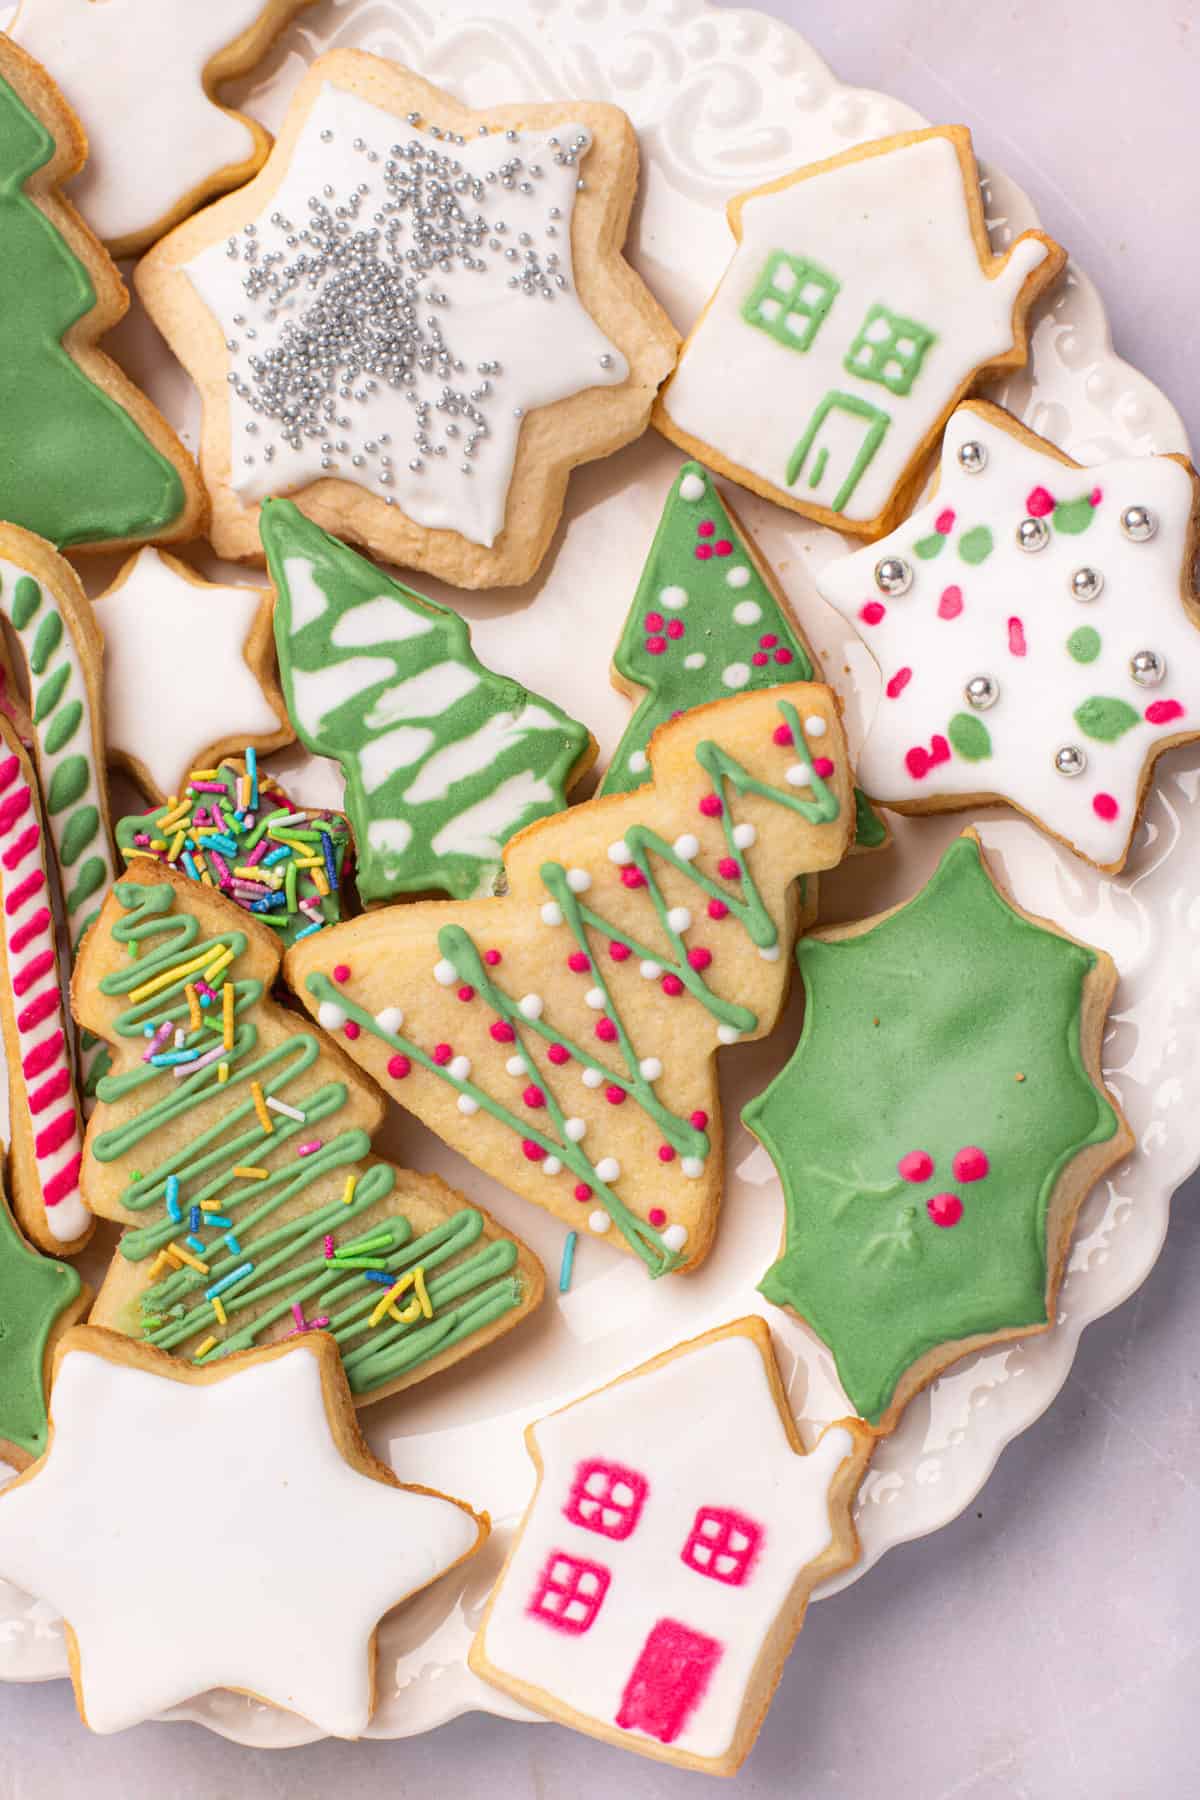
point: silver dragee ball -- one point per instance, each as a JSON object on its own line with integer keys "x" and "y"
{"x": 981, "y": 692}
{"x": 893, "y": 575}
{"x": 1138, "y": 523}
{"x": 1086, "y": 584}
{"x": 972, "y": 457}
{"x": 1147, "y": 667}
{"x": 1033, "y": 534}
{"x": 1070, "y": 760}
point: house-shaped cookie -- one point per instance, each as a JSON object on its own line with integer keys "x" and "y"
{"x": 861, "y": 305}
{"x": 657, "y": 1583}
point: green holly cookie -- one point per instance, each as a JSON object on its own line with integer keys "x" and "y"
{"x": 35, "y": 1292}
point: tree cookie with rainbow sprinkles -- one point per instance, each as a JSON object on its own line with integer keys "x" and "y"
{"x": 862, "y": 303}
{"x": 1035, "y": 627}
{"x": 233, "y": 1140}
{"x": 416, "y": 320}
{"x": 85, "y": 460}
{"x": 563, "y": 1037}
{"x": 939, "y": 1125}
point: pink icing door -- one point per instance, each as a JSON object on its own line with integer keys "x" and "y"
{"x": 669, "y": 1680}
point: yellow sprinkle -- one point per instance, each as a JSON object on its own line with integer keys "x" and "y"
{"x": 206, "y": 880}
{"x": 205, "y": 961}
{"x": 195, "y": 1017}
{"x": 212, "y": 1205}
{"x": 172, "y": 814}
{"x": 348, "y": 1190}
{"x": 218, "y": 1309}
{"x": 243, "y": 792}
{"x": 193, "y": 1262}
{"x": 219, "y": 962}
{"x": 397, "y": 1316}
{"x": 227, "y": 1020}
{"x": 173, "y": 1257}
{"x": 161, "y": 1260}
{"x": 249, "y": 1172}
{"x": 320, "y": 881}
{"x": 130, "y": 854}
{"x": 422, "y": 1296}
{"x": 260, "y": 1107}
{"x": 177, "y": 846}
{"x": 387, "y": 1304}
{"x": 204, "y": 774}
{"x": 410, "y": 1313}
{"x": 307, "y": 862}
{"x": 210, "y": 1343}
{"x": 222, "y": 1074}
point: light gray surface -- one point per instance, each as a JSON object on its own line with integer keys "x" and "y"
{"x": 1046, "y": 1643}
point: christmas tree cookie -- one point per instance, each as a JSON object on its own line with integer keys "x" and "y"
{"x": 563, "y": 1037}
{"x": 936, "y": 1130}
{"x": 85, "y": 460}
{"x": 234, "y": 1143}
{"x": 444, "y": 761}
{"x": 1035, "y": 630}
{"x": 39, "y": 1300}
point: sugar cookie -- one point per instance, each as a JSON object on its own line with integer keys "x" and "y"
{"x": 39, "y": 1300}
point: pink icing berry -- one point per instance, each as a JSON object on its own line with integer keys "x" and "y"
{"x": 729, "y": 869}
{"x": 341, "y": 971}
{"x": 1105, "y": 807}
{"x": 582, "y": 1191}
{"x": 703, "y": 552}
{"x": 698, "y": 957}
{"x": 782, "y": 734}
{"x": 711, "y": 806}
{"x": 699, "y": 1119}
{"x": 351, "y": 1028}
{"x": 723, "y": 547}
{"x": 654, "y": 621}
{"x": 632, "y": 877}
{"x": 822, "y": 767}
{"x": 578, "y": 963}
{"x": 873, "y": 613}
{"x": 442, "y": 1054}
{"x": 502, "y": 1031}
{"x": 915, "y": 1165}
{"x": 656, "y": 1215}
{"x": 783, "y": 654}
{"x": 768, "y": 640}
{"x": 466, "y": 992}
{"x": 760, "y": 659}
{"x": 615, "y": 1095}
{"x": 619, "y": 952}
{"x": 675, "y": 628}
{"x": 533, "y": 1096}
{"x": 705, "y": 528}
{"x": 491, "y": 958}
{"x": 944, "y": 1209}
{"x": 606, "y": 1031}
{"x": 717, "y": 909}
{"x": 532, "y": 1152}
{"x": 672, "y": 986}
{"x": 559, "y": 1054}
{"x": 1039, "y": 502}
{"x": 398, "y": 1067}
{"x": 970, "y": 1163}
{"x": 656, "y": 645}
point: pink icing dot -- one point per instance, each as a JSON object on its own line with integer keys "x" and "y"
{"x": 675, "y": 628}
{"x": 606, "y": 1031}
{"x": 351, "y": 1028}
{"x": 502, "y": 1031}
{"x": 341, "y": 971}
{"x": 1016, "y": 637}
{"x": 822, "y": 767}
{"x": 654, "y": 621}
{"x": 533, "y": 1096}
{"x": 783, "y": 655}
{"x": 698, "y": 957}
{"x": 656, "y": 1215}
{"x": 491, "y": 958}
{"x": 699, "y": 1119}
{"x": 944, "y": 522}
{"x": 915, "y": 1165}
{"x": 950, "y": 604}
{"x": 768, "y": 640}
{"x": 582, "y": 1191}
{"x": 656, "y": 645}
{"x": 711, "y": 806}
{"x": 916, "y": 761}
{"x": 898, "y": 683}
{"x": 619, "y": 952}
{"x": 729, "y": 869}
{"x": 442, "y": 1054}
{"x": 760, "y": 659}
{"x": 1162, "y": 712}
{"x": 532, "y": 1152}
{"x": 578, "y": 963}
{"x": 1105, "y": 807}
{"x": 723, "y": 547}
{"x": 782, "y": 734}
{"x": 705, "y": 528}
{"x": 615, "y": 1095}
{"x": 398, "y": 1067}
{"x": 873, "y": 613}
{"x": 1095, "y": 497}
{"x": 703, "y": 552}
{"x": 970, "y": 1163}
{"x": 466, "y": 992}
{"x": 1038, "y": 502}
{"x": 672, "y": 986}
{"x": 944, "y": 1209}
{"x": 559, "y": 1054}
{"x": 717, "y": 909}
{"x": 631, "y": 877}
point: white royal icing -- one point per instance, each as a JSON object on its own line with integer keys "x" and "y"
{"x": 545, "y": 349}
{"x": 279, "y": 1558}
{"x": 954, "y": 623}
{"x": 889, "y": 230}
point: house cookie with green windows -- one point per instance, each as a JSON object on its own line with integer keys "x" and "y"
{"x": 862, "y": 303}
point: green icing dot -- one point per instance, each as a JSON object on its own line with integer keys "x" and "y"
{"x": 82, "y": 827}
{"x": 975, "y": 546}
{"x": 1105, "y": 718}
{"x": 929, "y": 547}
{"x": 1084, "y": 644}
{"x": 1074, "y": 516}
{"x": 92, "y": 875}
{"x": 50, "y": 692}
{"x": 63, "y": 727}
{"x": 27, "y": 597}
{"x": 46, "y": 641}
{"x": 969, "y": 737}
{"x": 68, "y": 783}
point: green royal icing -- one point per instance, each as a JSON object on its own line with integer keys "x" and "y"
{"x": 1105, "y": 718}
{"x": 915, "y": 1032}
{"x": 278, "y": 1225}
{"x": 976, "y": 545}
{"x": 970, "y": 737}
{"x": 1074, "y": 516}
{"x": 1083, "y": 645}
{"x": 444, "y": 760}
{"x": 34, "y": 1293}
{"x": 74, "y": 466}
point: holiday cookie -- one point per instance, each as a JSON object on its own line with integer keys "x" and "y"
{"x": 708, "y": 620}
{"x": 444, "y": 760}
{"x": 165, "y": 629}
{"x": 39, "y": 1300}
{"x": 264, "y": 1455}
{"x": 563, "y": 1038}
{"x": 654, "y": 1590}
{"x": 416, "y": 319}
{"x": 235, "y": 829}
{"x": 143, "y": 78}
{"x": 85, "y": 460}
{"x": 1035, "y": 630}
{"x": 861, "y": 304}
{"x": 936, "y": 1130}
{"x": 233, "y": 1140}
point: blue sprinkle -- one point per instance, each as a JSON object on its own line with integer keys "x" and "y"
{"x": 194, "y": 1219}
{"x": 220, "y": 840}
{"x": 227, "y": 1281}
{"x": 189, "y": 863}
{"x": 173, "y": 1206}
{"x": 218, "y": 1219}
{"x": 568, "y": 1262}
{"x": 169, "y": 1058}
{"x": 252, "y": 772}
{"x": 235, "y": 1249}
{"x": 380, "y": 1277}
{"x": 280, "y": 855}
{"x": 194, "y": 1243}
{"x": 317, "y": 925}
{"x": 330, "y": 862}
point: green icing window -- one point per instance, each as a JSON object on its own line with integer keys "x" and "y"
{"x": 790, "y": 299}
{"x": 889, "y": 349}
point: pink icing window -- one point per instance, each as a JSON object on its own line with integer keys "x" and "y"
{"x": 606, "y": 1497}
{"x": 723, "y": 1544}
{"x": 669, "y": 1680}
{"x": 569, "y": 1593}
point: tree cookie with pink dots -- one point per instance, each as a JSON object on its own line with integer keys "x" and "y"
{"x": 939, "y": 1124}
{"x": 1035, "y": 627}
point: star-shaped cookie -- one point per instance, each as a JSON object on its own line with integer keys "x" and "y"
{"x": 189, "y": 672}
{"x": 222, "y": 1527}
{"x": 416, "y": 320}
{"x": 39, "y": 1300}
{"x": 1035, "y": 629}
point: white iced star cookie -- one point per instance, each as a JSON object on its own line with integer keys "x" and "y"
{"x": 143, "y": 78}
{"x": 242, "y": 1502}
{"x": 497, "y": 336}
{"x": 189, "y": 672}
{"x": 1035, "y": 630}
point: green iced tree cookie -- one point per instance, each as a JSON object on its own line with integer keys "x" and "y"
{"x": 35, "y": 1293}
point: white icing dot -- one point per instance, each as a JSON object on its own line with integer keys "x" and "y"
{"x": 639, "y": 762}
{"x": 390, "y": 1019}
{"x": 692, "y": 1166}
{"x": 460, "y": 1068}
{"x": 736, "y": 675}
{"x": 744, "y": 836}
{"x": 727, "y": 1034}
{"x": 798, "y": 775}
{"x": 747, "y": 612}
{"x": 467, "y": 1106}
{"x": 599, "y": 1221}
{"x": 769, "y": 952}
{"x": 650, "y": 1068}
{"x": 574, "y": 1129}
{"x": 578, "y": 880}
{"x": 608, "y": 1169}
{"x": 679, "y": 918}
{"x": 515, "y": 1065}
{"x": 530, "y": 1006}
{"x": 691, "y": 487}
{"x": 595, "y": 999}
{"x": 552, "y": 913}
{"x": 551, "y": 1166}
{"x": 738, "y": 576}
{"x": 696, "y": 659}
{"x": 445, "y": 973}
{"x": 592, "y": 1077}
{"x": 673, "y": 598}
{"x": 815, "y": 726}
{"x": 651, "y": 971}
{"x": 331, "y": 1015}
{"x": 620, "y": 852}
{"x": 687, "y": 846}
{"x": 675, "y": 1237}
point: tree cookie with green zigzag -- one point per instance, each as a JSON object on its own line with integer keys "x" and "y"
{"x": 939, "y": 1124}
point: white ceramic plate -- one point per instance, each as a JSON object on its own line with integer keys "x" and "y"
{"x": 723, "y": 101}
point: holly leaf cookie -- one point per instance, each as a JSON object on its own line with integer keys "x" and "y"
{"x": 862, "y": 303}
{"x": 264, "y": 1454}
{"x": 563, "y": 1037}
{"x": 143, "y": 78}
{"x": 936, "y": 1130}
{"x": 189, "y": 672}
{"x": 1035, "y": 630}
{"x": 444, "y": 760}
{"x": 416, "y": 319}
{"x": 654, "y": 1589}
{"x": 39, "y": 1300}
{"x": 233, "y": 1140}
{"x": 85, "y": 459}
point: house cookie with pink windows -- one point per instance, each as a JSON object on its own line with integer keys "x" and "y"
{"x": 936, "y": 1130}
{"x": 1035, "y": 627}
{"x": 654, "y": 1589}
